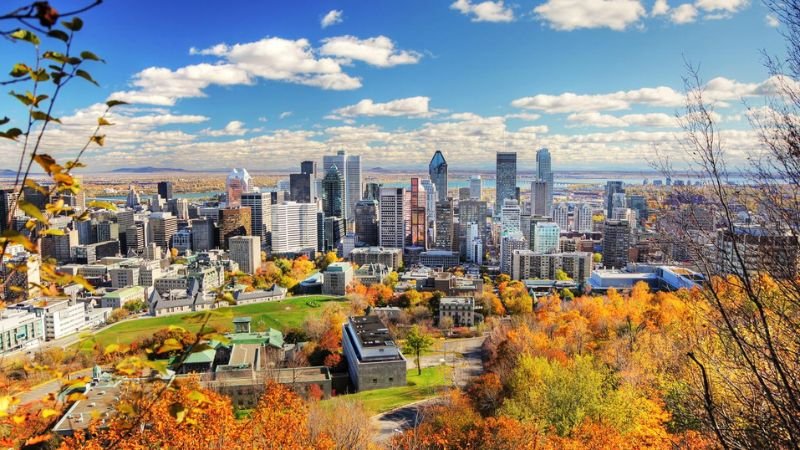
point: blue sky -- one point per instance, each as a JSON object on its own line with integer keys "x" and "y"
{"x": 266, "y": 84}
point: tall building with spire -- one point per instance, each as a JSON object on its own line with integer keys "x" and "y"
{"x": 544, "y": 172}
{"x": 350, "y": 168}
{"x": 506, "y": 175}
{"x": 437, "y": 169}
{"x": 333, "y": 193}
{"x": 133, "y": 199}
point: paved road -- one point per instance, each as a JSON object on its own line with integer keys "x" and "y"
{"x": 464, "y": 355}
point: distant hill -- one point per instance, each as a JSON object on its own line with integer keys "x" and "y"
{"x": 147, "y": 170}
{"x": 8, "y": 173}
{"x": 379, "y": 170}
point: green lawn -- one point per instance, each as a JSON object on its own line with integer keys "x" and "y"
{"x": 280, "y": 315}
{"x": 420, "y": 387}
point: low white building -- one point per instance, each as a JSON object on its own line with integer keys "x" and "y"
{"x": 120, "y": 297}
{"x": 336, "y": 278}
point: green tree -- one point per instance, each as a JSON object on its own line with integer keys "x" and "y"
{"x": 597, "y": 258}
{"x": 562, "y": 276}
{"x": 417, "y": 341}
{"x": 391, "y": 279}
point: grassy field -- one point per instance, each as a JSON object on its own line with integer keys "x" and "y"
{"x": 280, "y": 315}
{"x": 420, "y": 387}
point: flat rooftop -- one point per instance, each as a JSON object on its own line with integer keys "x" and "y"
{"x": 371, "y": 331}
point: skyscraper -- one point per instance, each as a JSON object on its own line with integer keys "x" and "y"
{"x": 333, "y": 193}
{"x": 246, "y": 251}
{"x": 372, "y": 191}
{"x": 506, "y": 175}
{"x": 303, "y": 186}
{"x": 238, "y": 182}
{"x": 234, "y": 222}
{"x": 349, "y": 167}
{"x": 444, "y": 225}
{"x": 294, "y": 227}
{"x": 612, "y": 187}
{"x": 539, "y": 198}
{"x": 133, "y": 198}
{"x": 616, "y": 242}
{"x": 366, "y": 222}
{"x": 8, "y": 199}
{"x": 437, "y": 169}
{"x": 165, "y": 190}
{"x": 546, "y": 237}
{"x": 260, "y": 205}
{"x": 583, "y": 218}
{"x": 395, "y": 212}
{"x": 510, "y": 241}
{"x": 544, "y": 172}
{"x": 510, "y": 215}
{"x": 163, "y": 225}
{"x": 475, "y": 187}
{"x": 418, "y": 222}
{"x": 561, "y": 215}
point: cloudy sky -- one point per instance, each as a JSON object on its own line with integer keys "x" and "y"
{"x": 264, "y": 85}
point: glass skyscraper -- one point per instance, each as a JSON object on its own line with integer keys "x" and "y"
{"x": 506, "y": 174}
{"x": 437, "y": 169}
{"x": 544, "y": 172}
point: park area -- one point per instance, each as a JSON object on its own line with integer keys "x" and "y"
{"x": 281, "y": 315}
{"x": 419, "y": 387}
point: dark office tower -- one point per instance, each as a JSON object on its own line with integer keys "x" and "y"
{"x": 639, "y": 204}
{"x": 372, "y": 191}
{"x": 320, "y": 231}
{"x": 444, "y": 224}
{"x": 302, "y": 186}
{"x": 544, "y": 172}
{"x": 333, "y": 193}
{"x": 34, "y": 196}
{"x": 308, "y": 167}
{"x": 260, "y": 206}
{"x": 437, "y": 169}
{"x": 506, "y": 175}
{"x": 419, "y": 215}
{"x": 367, "y": 222}
{"x": 234, "y": 222}
{"x": 165, "y": 190}
{"x": 204, "y": 235}
{"x": 616, "y": 242}
{"x": 333, "y": 233}
{"x": 8, "y": 198}
{"x": 612, "y": 187}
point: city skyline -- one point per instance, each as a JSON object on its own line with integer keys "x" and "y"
{"x": 284, "y": 88}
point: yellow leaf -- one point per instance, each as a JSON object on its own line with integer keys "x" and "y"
{"x": 169, "y": 345}
{"x": 31, "y": 210}
{"x": 47, "y": 412}
{"x": 18, "y": 419}
{"x": 101, "y": 121}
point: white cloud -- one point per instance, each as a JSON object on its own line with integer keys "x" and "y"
{"x": 649, "y": 120}
{"x": 718, "y": 90}
{"x": 685, "y": 13}
{"x": 263, "y": 119}
{"x": 273, "y": 58}
{"x": 487, "y": 11}
{"x": 568, "y": 15}
{"x": 285, "y": 114}
{"x": 333, "y": 17}
{"x": 233, "y": 128}
{"x": 377, "y": 51}
{"x": 660, "y": 7}
{"x": 404, "y": 107}
{"x": 730, "y": 6}
{"x": 772, "y": 21}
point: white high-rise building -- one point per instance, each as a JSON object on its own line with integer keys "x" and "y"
{"x": 238, "y": 182}
{"x": 474, "y": 244}
{"x": 475, "y": 187}
{"x": 395, "y": 217}
{"x": 583, "y": 218}
{"x": 246, "y": 251}
{"x": 350, "y": 168}
{"x": 432, "y": 197}
{"x": 510, "y": 215}
{"x": 294, "y": 227}
{"x": 260, "y": 205}
{"x": 560, "y": 215}
{"x": 546, "y": 237}
{"x": 544, "y": 172}
{"x": 510, "y": 241}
